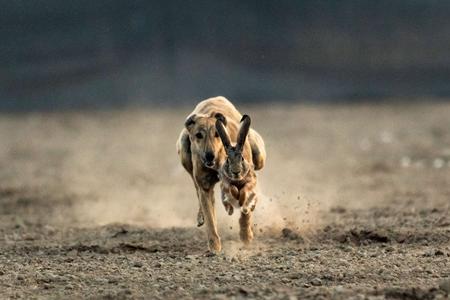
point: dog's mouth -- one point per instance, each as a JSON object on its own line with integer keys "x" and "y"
{"x": 209, "y": 164}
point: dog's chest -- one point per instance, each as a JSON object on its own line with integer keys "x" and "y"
{"x": 209, "y": 179}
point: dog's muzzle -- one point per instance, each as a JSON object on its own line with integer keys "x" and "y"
{"x": 209, "y": 164}
{"x": 209, "y": 160}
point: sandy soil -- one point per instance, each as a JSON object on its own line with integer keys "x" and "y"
{"x": 355, "y": 205}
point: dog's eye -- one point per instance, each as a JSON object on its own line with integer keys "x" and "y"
{"x": 198, "y": 135}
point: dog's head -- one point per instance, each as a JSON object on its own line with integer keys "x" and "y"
{"x": 205, "y": 140}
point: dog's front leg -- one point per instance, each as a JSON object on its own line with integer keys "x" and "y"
{"x": 209, "y": 213}
{"x": 200, "y": 217}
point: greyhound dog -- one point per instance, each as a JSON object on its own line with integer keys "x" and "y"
{"x": 201, "y": 153}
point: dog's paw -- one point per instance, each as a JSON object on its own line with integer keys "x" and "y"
{"x": 200, "y": 219}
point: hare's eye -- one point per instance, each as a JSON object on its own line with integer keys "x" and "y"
{"x": 198, "y": 135}
{"x": 242, "y": 158}
{"x": 216, "y": 135}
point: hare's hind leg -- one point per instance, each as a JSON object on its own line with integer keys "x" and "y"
{"x": 246, "y": 232}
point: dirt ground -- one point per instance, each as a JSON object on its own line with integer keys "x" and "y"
{"x": 355, "y": 205}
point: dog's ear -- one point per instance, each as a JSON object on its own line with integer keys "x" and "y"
{"x": 221, "y": 118}
{"x": 190, "y": 121}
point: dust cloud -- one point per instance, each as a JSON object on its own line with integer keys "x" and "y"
{"x": 122, "y": 167}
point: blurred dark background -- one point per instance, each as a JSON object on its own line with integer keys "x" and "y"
{"x": 91, "y": 54}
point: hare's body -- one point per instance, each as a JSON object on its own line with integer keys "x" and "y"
{"x": 201, "y": 151}
{"x": 238, "y": 177}
{"x": 240, "y": 195}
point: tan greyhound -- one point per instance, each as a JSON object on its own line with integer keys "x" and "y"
{"x": 202, "y": 153}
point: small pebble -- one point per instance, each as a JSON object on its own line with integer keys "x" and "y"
{"x": 386, "y": 137}
{"x": 285, "y": 280}
{"x": 405, "y": 161}
{"x": 138, "y": 264}
{"x": 113, "y": 280}
{"x": 316, "y": 282}
{"x": 438, "y": 163}
{"x": 438, "y": 253}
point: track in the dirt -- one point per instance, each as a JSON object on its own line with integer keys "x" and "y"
{"x": 363, "y": 210}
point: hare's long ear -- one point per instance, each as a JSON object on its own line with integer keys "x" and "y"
{"x": 223, "y": 134}
{"x": 243, "y": 131}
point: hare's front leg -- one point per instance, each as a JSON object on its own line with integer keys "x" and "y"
{"x": 225, "y": 195}
{"x": 249, "y": 203}
{"x": 247, "y": 198}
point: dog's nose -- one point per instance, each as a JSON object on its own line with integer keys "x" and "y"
{"x": 209, "y": 156}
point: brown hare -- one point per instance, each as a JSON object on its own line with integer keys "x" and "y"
{"x": 238, "y": 177}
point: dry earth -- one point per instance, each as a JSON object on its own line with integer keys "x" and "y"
{"x": 355, "y": 205}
